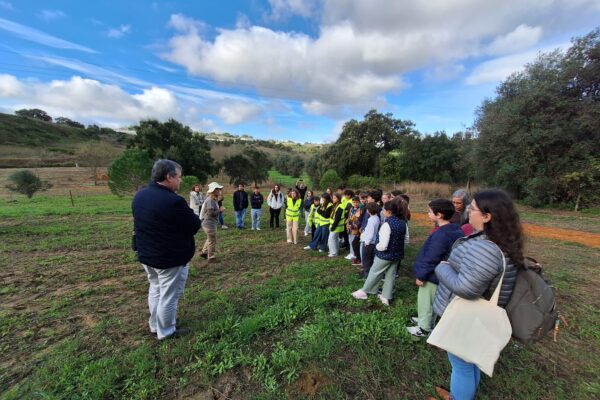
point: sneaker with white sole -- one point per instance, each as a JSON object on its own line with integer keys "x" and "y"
{"x": 321, "y": 251}
{"x": 349, "y": 257}
{"x": 383, "y": 300}
{"x": 258, "y": 229}
{"x": 307, "y": 248}
{"x": 331, "y": 255}
{"x": 224, "y": 227}
{"x": 417, "y": 331}
{"x": 414, "y": 320}
{"x": 360, "y": 295}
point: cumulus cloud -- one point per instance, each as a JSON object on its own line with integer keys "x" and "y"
{"x": 91, "y": 100}
{"x": 10, "y": 86}
{"x": 49, "y": 15}
{"x": 523, "y": 37}
{"x": 364, "y": 47}
{"x": 237, "y": 112}
{"x": 119, "y": 32}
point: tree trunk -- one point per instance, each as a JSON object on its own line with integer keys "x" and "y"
{"x": 577, "y": 202}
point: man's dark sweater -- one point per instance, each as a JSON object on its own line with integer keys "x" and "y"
{"x": 164, "y": 227}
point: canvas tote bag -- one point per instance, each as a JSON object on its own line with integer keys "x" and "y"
{"x": 474, "y": 330}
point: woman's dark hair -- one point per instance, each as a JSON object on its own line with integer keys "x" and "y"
{"x": 338, "y": 196}
{"x": 395, "y": 207}
{"x": 375, "y": 195}
{"x": 355, "y": 198}
{"x": 348, "y": 192}
{"x": 442, "y": 206}
{"x": 504, "y": 228}
{"x": 396, "y": 193}
{"x": 327, "y": 199}
{"x": 403, "y": 212}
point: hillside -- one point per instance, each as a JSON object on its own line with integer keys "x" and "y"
{"x": 27, "y": 142}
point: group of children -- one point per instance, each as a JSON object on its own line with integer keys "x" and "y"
{"x": 373, "y": 226}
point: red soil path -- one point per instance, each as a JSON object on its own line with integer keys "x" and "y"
{"x": 568, "y": 235}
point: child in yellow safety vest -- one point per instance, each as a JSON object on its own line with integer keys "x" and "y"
{"x": 312, "y": 215}
{"x": 292, "y": 216}
{"x": 321, "y": 216}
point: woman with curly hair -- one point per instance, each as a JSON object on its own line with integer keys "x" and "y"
{"x": 474, "y": 269}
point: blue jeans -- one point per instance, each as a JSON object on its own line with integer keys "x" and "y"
{"x": 255, "y": 214}
{"x": 221, "y": 219}
{"x": 240, "y": 216}
{"x": 320, "y": 238}
{"x": 464, "y": 379}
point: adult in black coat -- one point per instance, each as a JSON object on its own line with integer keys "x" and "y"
{"x": 164, "y": 229}
{"x": 240, "y": 204}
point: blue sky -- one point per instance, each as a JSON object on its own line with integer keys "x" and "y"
{"x": 274, "y": 69}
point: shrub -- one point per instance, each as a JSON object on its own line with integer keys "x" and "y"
{"x": 27, "y": 183}
{"x": 187, "y": 183}
{"x": 129, "y": 172}
{"x": 330, "y": 179}
{"x": 362, "y": 182}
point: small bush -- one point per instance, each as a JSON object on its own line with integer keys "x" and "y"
{"x": 187, "y": 183}
{"x": 27, "y": 183}
{"x": 362, "y": 182}
{"x": 330, "y": 179}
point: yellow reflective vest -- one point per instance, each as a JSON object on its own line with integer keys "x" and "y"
{"x": 292, "y": 210}
{"x": 341, "y": 225}
{"x": 321, "y": 220}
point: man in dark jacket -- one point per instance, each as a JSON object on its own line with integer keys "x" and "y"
{"x": 240, "y": 204}
{"x": 256, "y": 202}
{"x": 436, "y": 248}
{"x": 164, "y": 229}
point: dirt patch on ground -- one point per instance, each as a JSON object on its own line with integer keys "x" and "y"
{"x": 311, "y": 381}
{"x": 566, "y": 235}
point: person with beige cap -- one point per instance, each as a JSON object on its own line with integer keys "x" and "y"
{"x": 209, "y": 215}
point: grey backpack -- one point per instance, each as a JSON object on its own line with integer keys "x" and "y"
{"x": 531, "y": 308}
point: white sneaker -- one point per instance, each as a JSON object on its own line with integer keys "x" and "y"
{"x": 383, "y": 300}
{"x": 321, "y": 251}
{"x": 224, "y": 227}
{"x": 252, "y": 228}
{"x": 331, "y": 255}
{"x": 349, "y": 257}
{"x": 306, "y": 248}
{"x": 414, "y": 320}
{"x": 417, "y": 331}
{"x": 305, "y": 234}
{"x": 289, "y": 241}
{"x": 258, "y": 229}
{"x": 360, "y": 295}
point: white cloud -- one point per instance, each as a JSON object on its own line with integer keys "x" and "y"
{"x": 181, "y": 23}
{"x": 283, "y": 8}
{"x": 119, "y": 32}
{"x": 522, "y": 38}
{"x": 34, "y": 35}
{"x": 233, "y": 113}
{"x": 7, "y": 5}
{"x": 500, "y": 68}
{"x": 49, "y": 15}
{"x": 10, "y": 86}
{"x": 89, "y": 100}
{"x": 363, "y": 48}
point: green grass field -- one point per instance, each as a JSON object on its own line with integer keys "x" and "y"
{"x": 269, "y": 320}
{"x": 288, "y": 181}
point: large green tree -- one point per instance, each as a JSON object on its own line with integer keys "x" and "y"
{"x": 129, "y": 172}
{"x": 363, "y": 143}
{"x": 250, "y": 167}
{"x": 35, "y": 113}
{"x": 177, "y": 142}
{"x": 543, "y": 125}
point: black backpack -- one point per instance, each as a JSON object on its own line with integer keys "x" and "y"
{"x": 532, "y": 308}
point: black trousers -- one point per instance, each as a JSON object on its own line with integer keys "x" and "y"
{"x": 356, "y": 247}
{"x": 367, "y": 259}
{"x": 274, "y": 217}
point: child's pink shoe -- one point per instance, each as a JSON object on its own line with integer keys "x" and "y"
{"x": 383, "y": 300}
{"x": 360, "y": 294}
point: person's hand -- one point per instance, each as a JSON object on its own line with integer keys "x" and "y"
{"x": 419, "y": 282}
{"x": 221, "y": 208}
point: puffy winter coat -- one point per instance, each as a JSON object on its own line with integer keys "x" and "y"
{"x": 475, "y": 267}
{"x": 436, "y": 248}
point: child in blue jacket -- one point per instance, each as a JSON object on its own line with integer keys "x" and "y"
{"x": 437, "y": 248}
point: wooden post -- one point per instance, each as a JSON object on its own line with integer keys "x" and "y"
{"x": 72, "y": 202}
